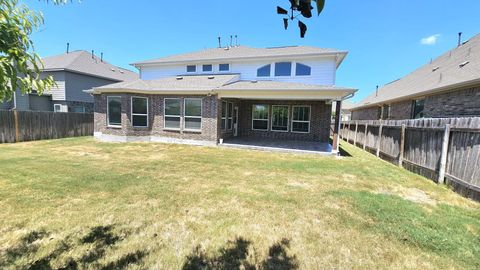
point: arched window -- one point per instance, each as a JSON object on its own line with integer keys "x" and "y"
{"x": 264, "y": 71}
{"x": 303, "y": 70}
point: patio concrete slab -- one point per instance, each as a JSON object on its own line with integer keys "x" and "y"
{"x": 280, "y": 145}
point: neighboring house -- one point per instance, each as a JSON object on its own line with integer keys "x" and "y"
{"x": 204, "y": 97}
{"x": 346, "y": 110}
{"x": 449, "y": 86}
{"x": 73, "y": 72}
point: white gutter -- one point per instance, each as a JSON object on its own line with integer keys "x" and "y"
{"x": 14, "y": 101}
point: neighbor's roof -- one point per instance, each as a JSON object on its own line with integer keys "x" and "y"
{"x": 244, "y": 52}
{"x": 276, "y": 85}
{"x": 456, "y": 68}
{"x": 82, "y": 62}
{"x": 199, "y": 83}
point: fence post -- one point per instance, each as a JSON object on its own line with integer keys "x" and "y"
{"x": 17, "y": 127}
{"x": 402, "y": 145}
{"x": 443, "y": 156}
{"x": 348, "y": 132}
{"x": 365, "y": 139}
{"x": 379, "y": 141}
{"x": 355, "y": 136}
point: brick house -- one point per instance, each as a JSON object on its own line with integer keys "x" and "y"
{"x": 214, "y": 95}
{"x": 448, "y": 86}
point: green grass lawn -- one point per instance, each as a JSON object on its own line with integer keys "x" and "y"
{"x": 82, "y": 204}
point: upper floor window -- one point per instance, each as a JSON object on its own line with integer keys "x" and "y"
{"x": 418, "y": 107}
{"x": 264, "y": 71}
{"x": 224, "y": 67}
{"x": 139, "y": 111}
{"x": 207, "y": 68}
{"x": 303, "y": 70}
{"x": 191, "y": 68}
{"x": 283, "y": 69}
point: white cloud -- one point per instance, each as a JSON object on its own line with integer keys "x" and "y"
{"x": 431, "y": 40}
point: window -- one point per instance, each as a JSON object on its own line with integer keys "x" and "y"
{"x": 223, "y": 125}
{"x": 283, "y": 69}
{"x": 264, "y": 71}
{"x": 139, "y": 111}
{"x": 303, "y": 70}
{"x": 191, "y": 68}
{"x": 78, "y": 109}
{"x": 172, "y": 113}
{"x": 301, "y": 119}
{"x": 114, "y": 111}
{"x": 230, "y": 116}
{"x": 418, "y": 107}
{"x": 207, "y": 68}
{"x": 193, "y": 114}
{"x": 386, "y": 112}
{"x": 224, "y": 67}
{"x": 280, "y": 118}
{"x": 260, "y": 117}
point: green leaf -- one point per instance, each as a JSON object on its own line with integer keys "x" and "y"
{"x": 320, "y": 6}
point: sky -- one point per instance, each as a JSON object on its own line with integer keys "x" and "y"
{"x": 386, "y": 39}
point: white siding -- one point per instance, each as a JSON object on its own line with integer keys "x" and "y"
{"x": 323, "y": 70}
{"x": 57, "y": 91}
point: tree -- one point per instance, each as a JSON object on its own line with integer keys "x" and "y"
{"x": 303, "y": 8}
{"x": 19, "y": 64}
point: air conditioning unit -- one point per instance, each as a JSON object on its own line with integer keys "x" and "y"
{"x": 60, "y": 108}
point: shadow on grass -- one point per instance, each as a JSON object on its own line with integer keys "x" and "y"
{"x": 101, "y": 237}
{"x": 236, "y": 255}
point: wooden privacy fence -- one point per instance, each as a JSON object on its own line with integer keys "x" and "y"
{"x": 19, "y": 126}
{"x": 446, "y": 150}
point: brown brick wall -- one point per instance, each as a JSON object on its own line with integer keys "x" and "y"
{"x": 401, "y": 110}
{"x": 156, "y": 119}
{"x": 319, "y": 123}
{"x": 457, "y": 103}
{"x": 372, "y": 113}
{"x": 463, "y": 102}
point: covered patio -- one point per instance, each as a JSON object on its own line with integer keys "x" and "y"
{"x": 277, "y": 145}
{"x": 280, "y": 116}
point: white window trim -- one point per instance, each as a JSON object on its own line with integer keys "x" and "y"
{"x": 211, "y": 71}
{"x": 191, "y": 72}
{"x": 139, "y": 114}
{"x": 268, "y": 117}
{"x": 298, "y": 121}
{"x": 228, "y": 117}
{"x": 197, "y": 117}
{"x": 165, "y": 115}
{"x": 272, "y": 69}
{"x": 224, "y": 71}
{"x": 108, "y": 113}
{"x": 292, "y": 64}
{"x": 294, "y": 70}
{"x": 288, "y": 119}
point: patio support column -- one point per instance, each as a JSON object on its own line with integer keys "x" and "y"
{"x": 336, "y": 126}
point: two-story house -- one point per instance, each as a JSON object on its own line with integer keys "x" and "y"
{"x": 213, "y": 95}
{"x": 73, "y": 73}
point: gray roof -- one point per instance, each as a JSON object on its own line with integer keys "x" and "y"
{"x": 199, "y": 83}
{"x": 243, "y": 52}
{"x": 276, "y": 85}
{"x": 82, "y": 62}
{"x": 457, "y": 67}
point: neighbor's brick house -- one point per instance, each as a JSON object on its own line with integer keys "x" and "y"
{"x": 214, "y": 95}
{"x": 449, "y": 86}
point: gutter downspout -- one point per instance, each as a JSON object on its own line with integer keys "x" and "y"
{"x": 14, "y": 101}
